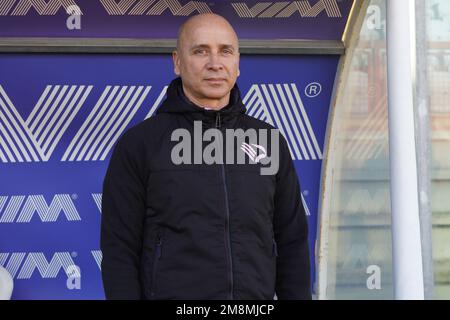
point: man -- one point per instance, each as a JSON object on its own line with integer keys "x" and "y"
{"x": 196, "y": 230}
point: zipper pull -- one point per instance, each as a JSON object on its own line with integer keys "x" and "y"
{"x": 218, "y": 119}
{"x": 158, "y": 248}
{"x": 274, "y": 248}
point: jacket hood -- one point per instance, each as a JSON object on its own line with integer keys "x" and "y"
{"x": 177, "y": 103}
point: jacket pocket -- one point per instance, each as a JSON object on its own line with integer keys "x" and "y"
{"x": 157, "y": 256}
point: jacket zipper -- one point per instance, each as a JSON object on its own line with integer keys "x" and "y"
{"x": 227, "y": 220}
{"x": 158, "y": 246}
{"x": 274, "y": 248}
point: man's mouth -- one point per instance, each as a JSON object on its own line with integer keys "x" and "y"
{"x": 215, "y": 80}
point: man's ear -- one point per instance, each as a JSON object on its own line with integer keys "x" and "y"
{"x": 239, "y": 71}
{"x": 176, "y": 62}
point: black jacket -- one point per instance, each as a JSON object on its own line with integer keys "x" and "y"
{"x": 200, "y": 231}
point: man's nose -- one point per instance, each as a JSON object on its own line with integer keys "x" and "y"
{"x": 214, "y": 62}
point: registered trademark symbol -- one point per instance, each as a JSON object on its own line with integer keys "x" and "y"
{"x": 74, "y": 254}
{"x": 306, "y": 193}
{"x": 313, "y": 89}
{"x": 74, "y": 196}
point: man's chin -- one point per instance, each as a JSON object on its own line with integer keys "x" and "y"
{"x": 218, "y": 93}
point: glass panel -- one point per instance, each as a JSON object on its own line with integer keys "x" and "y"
{"x": 359, "y": 261}
{"x": 438, "y": 70}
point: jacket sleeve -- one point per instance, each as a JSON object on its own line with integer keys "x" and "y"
{"x": 291, "y": 232}
{"x": 123, "y": 209}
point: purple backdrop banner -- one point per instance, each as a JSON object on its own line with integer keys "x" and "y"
{"x": 61, "y": 115}
{"x": 160, "y": 19}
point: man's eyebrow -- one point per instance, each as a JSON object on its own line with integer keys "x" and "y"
{"x": 196, "y": 46}
{"x": 227, "y": 46}
{"x": 205, "y": 46}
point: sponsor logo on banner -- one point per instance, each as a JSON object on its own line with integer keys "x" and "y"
{"x": 106, "y": 122}
{"x": 283, "y": 9}
{"x": 41, "y": 7}
{"x": 286, "y": 9}
{"x": 281, "y": 106}
{"x": 34, "y": 139}
{"x": 22, "y": 265}
{"x": 154, "y": 7}
{"x": 98, "y": 256}
{"x": 22, "y": 209}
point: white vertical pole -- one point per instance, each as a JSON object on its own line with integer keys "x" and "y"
{"x": 406, "y": 241}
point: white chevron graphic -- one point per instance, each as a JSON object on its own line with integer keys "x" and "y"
{"x": 98, "y": 256}
{"x": 3, "y": 258}
{"x": 98, "y": 200}
{"x": 21, "y": 209}
{"x": 305, "y": 205}
{"x": 43, "y": 8}
{"x": 29, "y": 262}
{"x": 109, "y": 118}
{"x": 244, "y": 11}
{"x": 371, "y": 139}
{"x": 35, "y": 138}
{"x": 141, "y": 6}
{"x": 157, "y": 103}
{"x": 281, "y": 106}
{"x": 5, "y": 6}
{"x": 177, "y": 9}
{"x": 286, "y": 9}
{"x": 119, "y": 8}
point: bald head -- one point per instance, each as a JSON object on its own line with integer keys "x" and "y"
{"x": 204, "y": 20}
{"x": 207, "y": 60}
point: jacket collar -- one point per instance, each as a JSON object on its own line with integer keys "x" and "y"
{"x": 177, "y": 103}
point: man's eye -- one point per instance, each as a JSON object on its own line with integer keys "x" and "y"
{"x": 200, "y": 51}
{"x": 227, "y": 51}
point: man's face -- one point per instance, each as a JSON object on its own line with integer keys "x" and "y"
{"x": 207, "y": 61}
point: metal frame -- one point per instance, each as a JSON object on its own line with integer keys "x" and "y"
{"x": 423, "y": 146}
{"x": 350, "y": 38}
{"x": 406, "y": 236}
{"x": 110, "y": 45}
